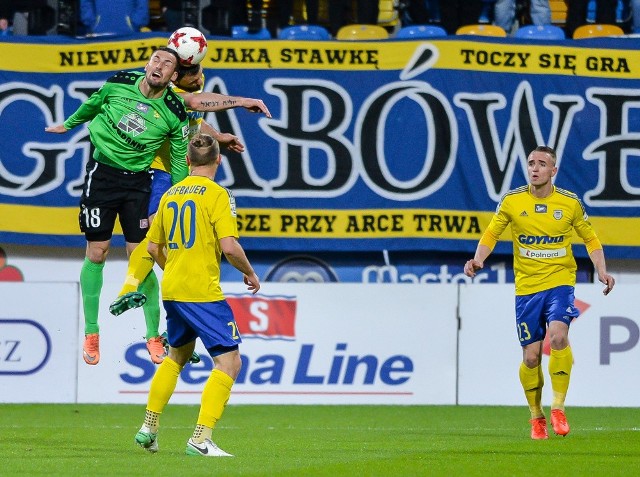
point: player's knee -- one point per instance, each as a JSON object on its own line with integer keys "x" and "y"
{"x": 559, "y": 341}
{"x": 531, "y": 361}
{"x": 558, "y": 335}
{"x": 97, "y": 254}
{"x": 230, "y": 364}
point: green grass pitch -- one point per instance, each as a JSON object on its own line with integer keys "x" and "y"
{"x": 97, "y": 440}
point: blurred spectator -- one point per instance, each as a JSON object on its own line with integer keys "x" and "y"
{"x": 285, "y": 12}
{"x": 248, "y": 13}
{"x": 635, "y": 10}
{"x": 5, "y": 14}
{"x": 29, "y": 17}
{"x": 577, "y": 13}
{"x": 172, "y": 14}
{"x": 457, "y": 13}
{"x": 255, "y": 15}
{"x": 505, "y": 13}
{"x": 114, "y": 16}
{"x": 220, "y": 15}
{"x": 340, "y": 14}
{"x": 5, "y": 29}
{"x": 416, "y": 12}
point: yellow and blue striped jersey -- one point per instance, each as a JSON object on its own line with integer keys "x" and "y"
{"x": 192, "y": 218}
{"x": 161, "y": 160}
{"x": 542, "y": 231}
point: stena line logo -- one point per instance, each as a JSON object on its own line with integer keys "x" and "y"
{"x": 264, "y": 317}
{"x": 280, "y": 359}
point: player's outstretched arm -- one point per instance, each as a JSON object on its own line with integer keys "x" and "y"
{"x": 211, "y": 102}
{"x": 236, "y": 257}
{"x": 597, "y": 257}
{"x": 58, "y": 129}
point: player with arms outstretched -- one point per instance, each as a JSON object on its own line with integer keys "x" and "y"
{"x": 140, "y": 287}
{"x": 543, "y": 218}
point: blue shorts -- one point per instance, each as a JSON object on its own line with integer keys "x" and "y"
{"x": 160, "y": 184}
{"x": 534, "y": 312}
{"x": 212, "y": 322}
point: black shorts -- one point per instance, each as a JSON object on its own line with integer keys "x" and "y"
{"x": 108, "y": 192}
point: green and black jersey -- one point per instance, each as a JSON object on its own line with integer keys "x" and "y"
{"x": 127, "y": 128}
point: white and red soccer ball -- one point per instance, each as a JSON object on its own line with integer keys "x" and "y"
{"x": 190, "y": 44}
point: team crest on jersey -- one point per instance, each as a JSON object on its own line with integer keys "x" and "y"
{"x": 557, "y": 214}
{"x": 132, "y": 123}
{"x": 143, "y": 108}
{"x": 144, "y": 223}
{"x": 541, "y": 208}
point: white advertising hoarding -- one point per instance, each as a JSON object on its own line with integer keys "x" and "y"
{"x": 38, "y": 346}
{"x": 604, "y": 340}
{"x": 325, "y": 344}
{"x": 304, "y": 344}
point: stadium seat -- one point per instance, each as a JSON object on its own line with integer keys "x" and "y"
{"x": 540, "y": 32}
{"x": 558, "y": 11}
{"x": 421, "y": 31}
{"x": 481, "y": 30}
{"x": 362, "y": 32}
{"x": 304, "y": 32}
{"x": 241, "y": 32}
{"x": 597, "y": 30}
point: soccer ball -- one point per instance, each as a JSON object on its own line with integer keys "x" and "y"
{"x": 190, "y": 44}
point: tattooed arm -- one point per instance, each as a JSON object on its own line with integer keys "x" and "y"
{"x": 219, "y": 102}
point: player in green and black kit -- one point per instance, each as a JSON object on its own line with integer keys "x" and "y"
{"x": 131, "y": 115}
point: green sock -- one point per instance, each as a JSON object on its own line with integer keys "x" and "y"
{"x": 90, "y": 286}
{"x": 151, "y": 308}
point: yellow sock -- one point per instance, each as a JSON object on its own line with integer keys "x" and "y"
{"x": 532, "y": 382}
{"x": 560, "y": 364}
{"x": 214, "y": 399}
{"x": 140, "y": 264}
{"x": 152, "y": 420}
{"x": 200, "y": 433}
{"x": 162, "y": 385}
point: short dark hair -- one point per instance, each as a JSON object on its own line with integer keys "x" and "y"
{"x": 173, "y": 52}
{"x": 190, "y": 70}
{"x": 203, "y": 150}
{"x": 547, "y": 150}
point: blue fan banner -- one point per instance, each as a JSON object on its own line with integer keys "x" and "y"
{"x": 381, "y": 145}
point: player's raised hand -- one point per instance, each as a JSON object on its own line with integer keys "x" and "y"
{"x": 256, "y": 106}
{"x": 59, "y": 129}
{"x": 472, "y": 266}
